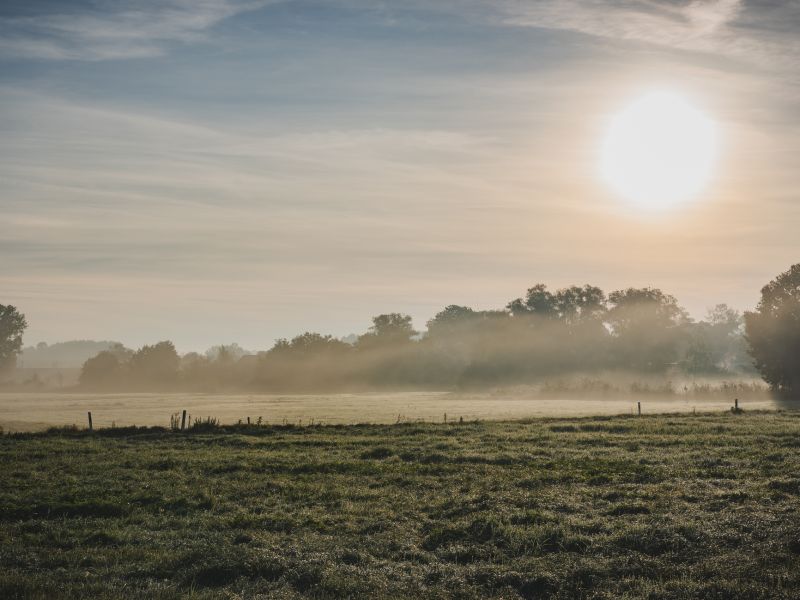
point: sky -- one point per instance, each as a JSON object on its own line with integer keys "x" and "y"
{"x": 211, "y": 171}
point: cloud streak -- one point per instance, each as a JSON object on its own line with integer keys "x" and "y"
{"x": 761, "y": 32}
{"x": 750, "y": 32}
{"x": 115, "y": 30}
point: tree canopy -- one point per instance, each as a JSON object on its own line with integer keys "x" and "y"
{"x": 773, "y": 331}
{"x": 388, "y": 329}
{"x": 12, "y": 326}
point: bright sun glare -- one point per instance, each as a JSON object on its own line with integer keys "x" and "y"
{"x": 659, "y": 151}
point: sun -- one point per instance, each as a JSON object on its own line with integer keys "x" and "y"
{"x": 659, "y": 151}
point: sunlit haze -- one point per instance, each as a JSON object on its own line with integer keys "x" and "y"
{"x": 659, "y": 151}
{"x": 243, "y": 171}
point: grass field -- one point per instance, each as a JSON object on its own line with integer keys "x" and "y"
{"x": 674, "y": 506}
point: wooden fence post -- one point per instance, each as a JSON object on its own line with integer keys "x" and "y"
{"x": 183, "y": 420}
{"x": 639, "y": 408}
{"x": 90, "y": 420}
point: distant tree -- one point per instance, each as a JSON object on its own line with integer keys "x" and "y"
{"x": 122, "y": 353}
{"x": 717, "y": 344}
{"x": 577, "y": 304}
{"x": 773, "y": 331}
{"x": 101, "y": 370}
{"x": 388, "y": 329}
{"x": 155, "y": 364}
{"x": 310, "y": 344}
{"x": 648, "y": 328}
{"x": 192, "y": 360}
{"x": 12, "y": 326}
{"x": 725, "y": 318}
{"x": 538, "y": 301}
{"x": 570, "y": 304}
{"x": 226, "y": 353}
{"x": 699, "y": 356}
{"x": 350, "y": 339}
{"x": 450, "y": 319}
{"x": 309, "y": 361}
{"x": 560, "y": 331}
{"x": 69, "y": 354}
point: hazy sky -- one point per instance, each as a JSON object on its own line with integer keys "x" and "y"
{"x": 211, "y": 171}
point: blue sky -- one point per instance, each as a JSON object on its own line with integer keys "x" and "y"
{"x": 215, "y": 171}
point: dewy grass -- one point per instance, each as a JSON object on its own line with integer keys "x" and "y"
{"x": 673, "y": 506}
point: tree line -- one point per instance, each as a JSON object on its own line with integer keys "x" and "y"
{"x": 576, "y": 329}
{"x": 544, "y": 333}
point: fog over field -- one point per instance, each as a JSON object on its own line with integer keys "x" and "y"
{"x": 37, "y": 411}
{"x": 570, "y": 351}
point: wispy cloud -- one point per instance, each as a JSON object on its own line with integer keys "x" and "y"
{"x": 113, "y": 30}
{"x": 85, "y": 170}
{"x": 453, "y": 159}
{"x": 665, "y": 23}
{"x": 753, "y": 32}
{"x": 759, "y": 31}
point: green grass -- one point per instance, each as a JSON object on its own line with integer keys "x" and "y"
{"x": 704, "y": 506}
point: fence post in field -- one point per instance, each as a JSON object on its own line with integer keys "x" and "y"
{"x": 90, "y": 420}
{"x": 736, "y": 403}
{"x": 183, "y": 420}
{"x": 639, "y": 408}
{"x": 248, "y": 420}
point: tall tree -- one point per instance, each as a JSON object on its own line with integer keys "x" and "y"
{"x": 12, "y": 326}
{"x": 773, "y": 331}
{"x": 155, "y": 364}
{"x": 648, "y": 327}
{"x": 538, "y": 301}
{"x": 101, "y": 370}
{"x": 576, "y": 304}
{"x": 716, "y": 344}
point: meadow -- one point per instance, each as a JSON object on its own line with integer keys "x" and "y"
{"x": 36, "y": 411}
{"x": 669, "y": 506}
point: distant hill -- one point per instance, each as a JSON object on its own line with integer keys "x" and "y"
{"x": 63, "y": 355}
